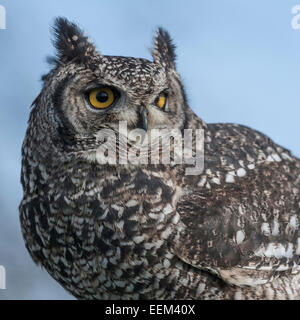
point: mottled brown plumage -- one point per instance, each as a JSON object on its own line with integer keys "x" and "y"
{"x": 150, "y": 231}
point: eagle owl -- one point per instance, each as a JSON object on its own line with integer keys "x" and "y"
{"x": 112, "y": 230}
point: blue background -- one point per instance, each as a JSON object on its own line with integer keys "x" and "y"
{"x": 239, "y": 60}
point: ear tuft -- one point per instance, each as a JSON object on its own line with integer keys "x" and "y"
{"x": 70, "y": 42}
{"x": 164, "y": 50}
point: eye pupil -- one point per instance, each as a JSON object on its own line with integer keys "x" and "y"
{"x": 102, "y": 96}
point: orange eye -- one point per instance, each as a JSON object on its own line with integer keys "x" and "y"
{"x": 101, "y": 98}
{"x": 161, "y": 101}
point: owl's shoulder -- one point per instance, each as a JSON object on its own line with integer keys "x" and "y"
{"x": 243, "y": 210}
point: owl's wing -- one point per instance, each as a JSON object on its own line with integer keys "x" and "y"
{"x": 245, "y": 232}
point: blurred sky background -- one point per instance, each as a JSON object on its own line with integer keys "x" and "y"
{"x": 239, "y": 60}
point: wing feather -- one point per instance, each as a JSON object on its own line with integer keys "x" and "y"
{"x": 246, "y": 232}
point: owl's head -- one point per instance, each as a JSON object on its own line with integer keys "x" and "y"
{"x": 86, "y": 91}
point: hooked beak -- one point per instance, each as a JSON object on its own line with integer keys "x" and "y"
{"x": 143, "y": 120}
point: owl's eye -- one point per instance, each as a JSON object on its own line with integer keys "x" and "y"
{"x": 102, "y": 98}
{"x": 161, "y": 101}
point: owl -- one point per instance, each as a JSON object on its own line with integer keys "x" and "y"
{"x": 107, "y": 228}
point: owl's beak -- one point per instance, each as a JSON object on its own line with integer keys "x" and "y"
{"x": 143, "y": 120}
